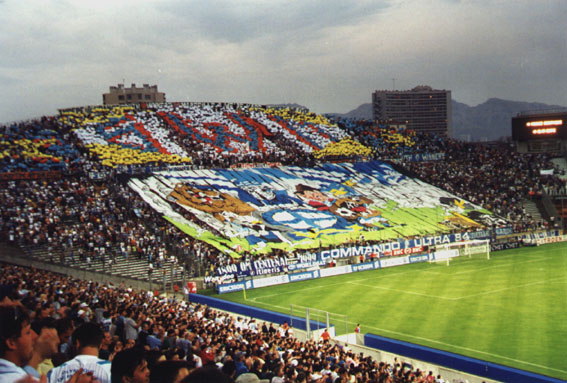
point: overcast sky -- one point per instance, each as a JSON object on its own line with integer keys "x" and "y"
{"x": 328, "y": 55}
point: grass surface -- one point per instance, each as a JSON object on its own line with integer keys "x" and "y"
{"x": 511, "y": 309}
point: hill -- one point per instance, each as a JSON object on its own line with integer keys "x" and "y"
{"x": 488, "y": 121}
{"x": 363, "y": 112}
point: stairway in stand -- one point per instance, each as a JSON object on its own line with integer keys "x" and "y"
{"x": 532, "y": 210}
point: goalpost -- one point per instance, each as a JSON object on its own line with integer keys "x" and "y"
{"x": 444, "y": 253}
{"x": 317, "y": 320}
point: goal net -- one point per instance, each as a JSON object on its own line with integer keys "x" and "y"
{"x": 444, "y": 253}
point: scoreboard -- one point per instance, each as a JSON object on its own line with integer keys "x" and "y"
{"x": 539, "y": 126}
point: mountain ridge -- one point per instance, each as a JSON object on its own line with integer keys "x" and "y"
{"x": 488, "y": 121}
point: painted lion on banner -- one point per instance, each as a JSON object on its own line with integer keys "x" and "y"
{"x": 210, "y": 201}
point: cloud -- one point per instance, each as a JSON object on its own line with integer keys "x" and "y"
{"x": 328, "y": 55}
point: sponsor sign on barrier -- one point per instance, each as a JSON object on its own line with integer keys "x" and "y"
{"x": 270, "y": 281}
{"x": 500, "y": 231}
{"x": 504, "y": 246}
{"x": 305, "y": 265}
{"x": 363, "y": 267}
{"x": 444, "y": 254}
{"x": 335, "y": 271}
{"x": 419, "y": 258}
{"x": 303, "y": 276}
{"x": 390, "y": 262}
{"x": 559, "y": 238}
{"x": 231, "y": 287}
{"x": 405, "y": 251}
{"x": 481, "y": 234}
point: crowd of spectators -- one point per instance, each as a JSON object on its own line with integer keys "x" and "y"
{"x": 76, "y": 219}
{"x": 109, "y": 330}
{"x": 494, "y": 177}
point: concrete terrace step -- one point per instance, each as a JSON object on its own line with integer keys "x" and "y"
{"x": 532, "y": 209}
{"x": 132, "y": 267}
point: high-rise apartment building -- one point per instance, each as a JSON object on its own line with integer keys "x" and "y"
{"x": 422, "y": 109}
{"x": 133, "y": 95}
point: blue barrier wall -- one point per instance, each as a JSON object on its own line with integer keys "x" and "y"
{"x": 456, "y": 362}
{"x": 265, "y": 315}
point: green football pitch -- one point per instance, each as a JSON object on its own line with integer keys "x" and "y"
{"x": 510, "y": 309}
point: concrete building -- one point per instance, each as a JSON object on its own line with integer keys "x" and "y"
{"x": 423, "y": 109}
{"x": 133, "y": 95}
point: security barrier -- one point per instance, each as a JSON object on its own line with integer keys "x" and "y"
{"x": 254, "y": 312}
{"x": 456, "y": 362}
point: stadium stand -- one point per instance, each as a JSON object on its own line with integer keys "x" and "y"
{"x": 67, "y": 200}
{"x": 80, "y": 190}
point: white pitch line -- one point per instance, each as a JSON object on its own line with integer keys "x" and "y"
{"x": 539, "y": 259}
{"x": 299, "y": 290}
{"x": 420, "y": 271}
{"x": 510, "y": 288}
{"x": 400, "y": 291}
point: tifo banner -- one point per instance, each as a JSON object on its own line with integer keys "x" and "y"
{"x": 290, "y": 208}
{"x": 424, "y": 157}
{"x": 501, "y": 231}
{"x": 252, "y": 268}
